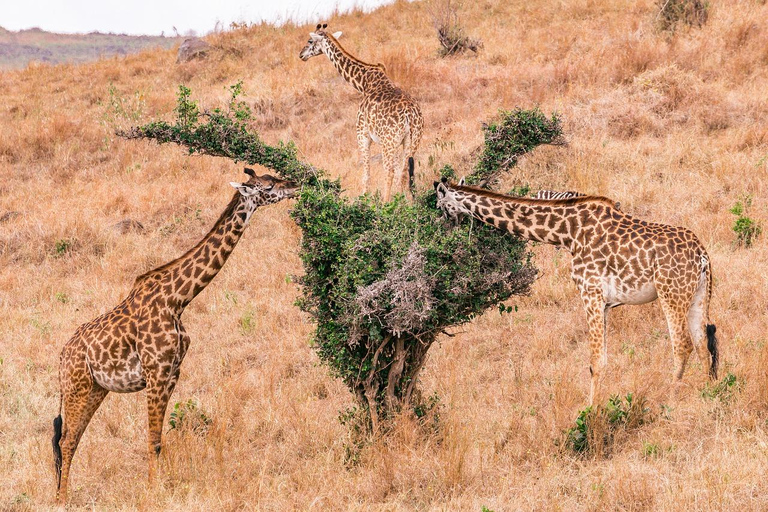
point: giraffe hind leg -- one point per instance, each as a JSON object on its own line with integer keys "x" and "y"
{"x": 79, "y": 407}
{"x": 679, "y": 334}
{"x": 702, "y": 333}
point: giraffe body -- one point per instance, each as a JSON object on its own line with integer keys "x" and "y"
{"x": 387, "y": 115}
{"x": 616, "y": 260}
{"x": 141, "y": 343}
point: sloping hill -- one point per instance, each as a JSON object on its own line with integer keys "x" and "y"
{"x": 17, "y": 49}
{"x": 671, "y": 125}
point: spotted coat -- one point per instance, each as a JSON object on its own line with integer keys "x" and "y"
{"x": 141, "y": 343}
{"x": 616, "y": 259}
{"x": 387, "y": 114}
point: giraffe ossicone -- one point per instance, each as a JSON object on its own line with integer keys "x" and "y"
{"x": 616, "y": 260}
{"x": 141, "y": 342}
{"x": 387, "y": 115}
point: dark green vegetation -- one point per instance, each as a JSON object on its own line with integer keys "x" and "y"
{"x": 17, "y": 49}
{"x": 747, "y": 229}
{"x": 382, "y": 280}
{"x": 597, "y": 428}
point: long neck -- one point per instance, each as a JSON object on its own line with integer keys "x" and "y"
{"x": 353, "y": 70}
{"x": 185, "y": 277}
{"x": 550, "y": 222}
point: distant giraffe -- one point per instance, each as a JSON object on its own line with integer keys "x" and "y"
{"x": 387, "y": 115}
{"x": 141, "y": 343}
{"x": 617, "y": 259}
{"x": 554, "y": 194}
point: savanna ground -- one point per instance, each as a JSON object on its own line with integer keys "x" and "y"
{"x": 672, "y": 125}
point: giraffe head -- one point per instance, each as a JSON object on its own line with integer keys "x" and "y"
{"x": 448, "y": 200}
{"x": 263, "y": 190}
{"x": 317, "y": 43}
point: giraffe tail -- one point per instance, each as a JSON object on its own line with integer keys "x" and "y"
{"x": 57, "y": 423}
{"x": 712, "y": 347}
{"x": 411, "y": 184}
{"x": 711, "y": 329}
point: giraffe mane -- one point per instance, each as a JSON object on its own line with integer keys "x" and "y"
{"x": 350, "y": 56}
{"x": 531, "y": 201}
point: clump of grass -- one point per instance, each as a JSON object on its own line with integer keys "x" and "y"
{"x": 597, "y": 428}
{"x": 450, "y": 33}
{"x": 693, "y": 13}
{"x": 747, "y": 229}
{"x": 190, "y": 417}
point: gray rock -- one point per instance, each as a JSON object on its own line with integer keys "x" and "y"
{"x": 192, "y": 48}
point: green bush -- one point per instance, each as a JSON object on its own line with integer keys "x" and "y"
{"x": 747, "y": 230}
{"x": 511, "y": 135}
{"x": 596, "y": 427}
{"x": 382, "y": 280}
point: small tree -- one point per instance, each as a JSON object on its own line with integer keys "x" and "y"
{"x": 382, "y": 280}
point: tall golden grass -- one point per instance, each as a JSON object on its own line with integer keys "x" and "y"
{"x": 673, "y": 126}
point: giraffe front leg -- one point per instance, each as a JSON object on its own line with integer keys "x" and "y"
{"x": 598, "y": 360}
{"x": 158, "y": 396}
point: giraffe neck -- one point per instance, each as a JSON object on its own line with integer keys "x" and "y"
{"x": 558, "y": 222}
{"x": 359, "y": 74}
{"x": 184, "y": 278}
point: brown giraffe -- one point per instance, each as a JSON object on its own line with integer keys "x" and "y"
{"x": 141, "y": 343}
{"x": 387, "y": 115}
{"x": 617, "y": 259}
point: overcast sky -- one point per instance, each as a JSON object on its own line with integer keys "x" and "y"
{"x": 153, "y": 17}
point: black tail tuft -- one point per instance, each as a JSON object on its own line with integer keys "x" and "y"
{"x": 57, "y": 448}
{"x": 712, "y": 347}
{"x": 411, "y": 184}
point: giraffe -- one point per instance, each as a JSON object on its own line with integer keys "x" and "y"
{"x": 616, "y": 260}
{"x": 141, "y": 343}
{"x": 554, "y": 194}
{"x": 387, "y": 115}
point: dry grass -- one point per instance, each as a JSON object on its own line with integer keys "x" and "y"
{"x": 671, "y": 125}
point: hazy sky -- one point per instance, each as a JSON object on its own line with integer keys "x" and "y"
{"x": 156, "y": 16}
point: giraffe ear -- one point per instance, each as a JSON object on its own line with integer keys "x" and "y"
{"x": 337, "y": 34}
{"x": 242, "y": 188}
{"x": 461, "y": 182}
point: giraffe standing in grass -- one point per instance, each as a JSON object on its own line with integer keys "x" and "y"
{"x": 141, "y": 343}
{"x": 387, "y": 115}
{"x": 617, "y": 259}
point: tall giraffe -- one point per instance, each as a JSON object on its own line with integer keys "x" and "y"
{"x": 141, "y": 343}
{"x": 387, "y": 115}
{"x": 616, "y": 259}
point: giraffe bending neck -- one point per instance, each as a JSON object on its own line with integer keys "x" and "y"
{"x": 189, "y": 274}
{"x": 553, "y": 222}
{"x": 351, "y": 69}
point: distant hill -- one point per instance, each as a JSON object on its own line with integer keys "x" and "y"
{"x": 17, "y": 49}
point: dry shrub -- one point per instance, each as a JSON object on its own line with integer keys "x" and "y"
{"x": 450, "y": 33}
{"x": 693, "y": 13}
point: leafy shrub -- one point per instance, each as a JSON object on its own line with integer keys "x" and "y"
{"x": 693, "y": 13}
{"x": 445, "y": 19}
{"x": 513, "y": 134}
{"x": 746, "y": 229}
{"x": 382, "y": 280}
{"x": 724, "y": 390}
{"x": 597, "y": 427}
{"x": 188, "y": 416}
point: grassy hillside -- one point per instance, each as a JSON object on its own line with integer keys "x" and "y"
{"x": 17, "y": 49}
{"x": 671, "y": 125}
